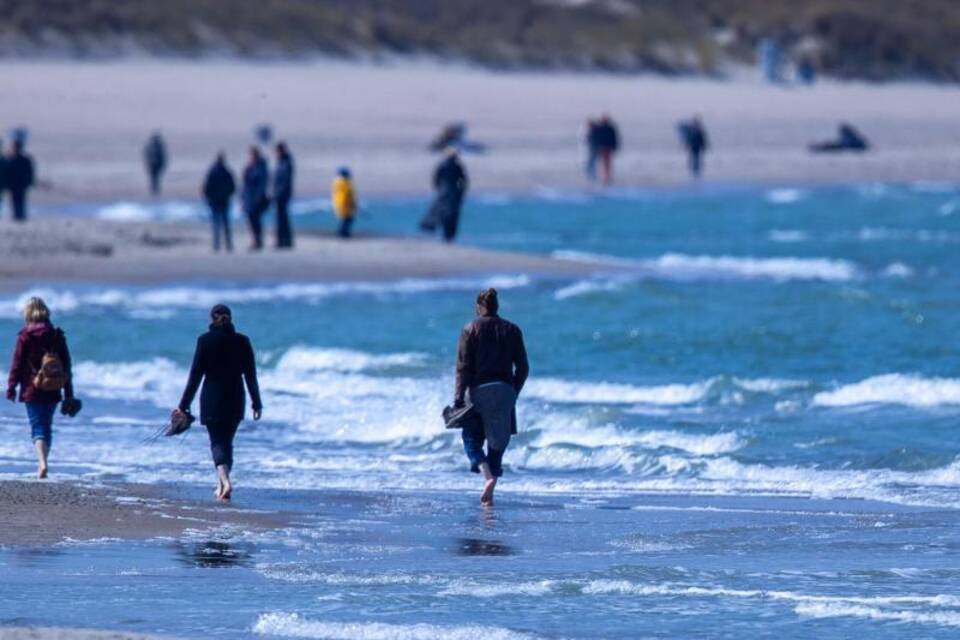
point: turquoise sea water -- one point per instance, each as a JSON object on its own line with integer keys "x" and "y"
{"x": 749, "y": 431}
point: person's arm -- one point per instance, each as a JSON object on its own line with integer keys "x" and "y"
{"x": 521, "y": 367}
{"x": 193, "y": 381}
{"x": 464, "y": 377}
{"x": 67, "y": 366}
{"x": 250, "y": 376}
{"x": 15, "y": 365}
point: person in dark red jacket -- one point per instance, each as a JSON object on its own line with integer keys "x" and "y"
{"x": 223, "y": 361}
{"x": 37, "y": 338}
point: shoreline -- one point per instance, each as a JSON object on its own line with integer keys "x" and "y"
{"x": 53, "y": 249}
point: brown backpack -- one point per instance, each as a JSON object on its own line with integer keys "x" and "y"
{"x": 51, "y": 376}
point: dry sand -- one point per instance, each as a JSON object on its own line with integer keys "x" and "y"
{"x": 41, "y": 513}
{"x": 64, "y": 250}
{"x": 89, "y": 121}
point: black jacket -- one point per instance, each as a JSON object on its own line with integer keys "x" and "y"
{"x": 450, "y": 177}
{"x": 219, "y": 186}
{"x": 283, "y": 178}
{"x": 491, "y": 349}
{"x": 18, "y": 172}
{"x": 223, "y": 360}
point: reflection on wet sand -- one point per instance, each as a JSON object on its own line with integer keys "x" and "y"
{"x": 212, "y": 554}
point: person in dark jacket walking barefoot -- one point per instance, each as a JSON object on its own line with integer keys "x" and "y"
{"x": 41, "y": 369}
{"x": 491, "y": 370}
{"x": 223, "y": 361}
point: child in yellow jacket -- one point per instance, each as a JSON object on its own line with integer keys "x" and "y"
{"x": 344, "y": 201}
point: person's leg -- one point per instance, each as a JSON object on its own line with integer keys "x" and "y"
{"x": 40, "y": 415}
{"x": 451, "y": 222}
{"x": 473, "y": 447}
{"x": 18, "y": 200}
{"x": 606, "y": 165}
{"x": 284, "y": 233}
{"x": 215, "y": 221}
{"x": 591, "y": 168}
{"x": 346, "y": 226}
{"x": 226, "y": 228}
{"x": 221, "y": 450}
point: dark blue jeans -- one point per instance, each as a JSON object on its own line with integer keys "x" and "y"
{"x": 220, "y": 215}
{"x": 40, "y": 415}
{"x": 221, "y": 442}
{"x": 473, "y": 438}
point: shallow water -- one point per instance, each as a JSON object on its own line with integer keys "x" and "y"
{"x": 751, "y": 434}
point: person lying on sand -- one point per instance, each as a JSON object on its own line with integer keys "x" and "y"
{"x": 223, "y": 360}
{"x": 492, "y": 368}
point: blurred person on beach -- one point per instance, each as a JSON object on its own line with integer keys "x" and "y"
{"x": 19, "y": 178}
{"x": 491, "y": 370}
{"x": 253, "y": 195}
{"x": 282, "y": 194}
{"x": 218, "y": 188}
{"x": 607, "y": 140}
{"x": 155, "y": 161}
{"x": 223, "y": 361}
{"x": 451, "y": 182}
{"x": 693, "y": 135}
{"x": 3, "y": 174}
{"x": 343, "y": 198}
{"x": 41, "y": 369}
{"x": 590, "y": 143}
{"x": 848, "y": 139}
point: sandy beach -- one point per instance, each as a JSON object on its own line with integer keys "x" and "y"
{"x": 62, "y": 249}
{"x": 89, "y": 120}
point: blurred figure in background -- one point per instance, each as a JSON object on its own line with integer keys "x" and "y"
{"x": 254, "y": 196}
{"x": 19, "y": 178}
{"x": 848, "y": 139}
{"x": 590, "y": 144}
{"x": 451, "y": 182}
{"x": 344, "y": 201}
{"x": 155, "y": 161}
{"x": 3, "y": 176}
{"x": 218, "y": 188}
{"x": 282, "y": 194}
{"x": 455, "y": 135}
{"x": 769, "y": 58}
{"x": 608, "y": 143}
{"x": 805, "y": 71}
{"x": 693, "y": 135}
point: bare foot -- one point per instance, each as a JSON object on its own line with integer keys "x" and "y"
{"x": 225, "y": 492}
{"x": 486, "y": 498}
{"x": 42, "y": 472}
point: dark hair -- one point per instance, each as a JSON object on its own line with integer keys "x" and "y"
{"x": 220, "y": 314}
{"x": 488, "y": 300}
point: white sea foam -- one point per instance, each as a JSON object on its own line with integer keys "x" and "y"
{"x": 769, "y": 385}
{"x": 480, "y": 590}
{"x": 293, "y": 625}
{"x": 785, "y": 196}
{"x": 898, "y": 270}
{"x": 894, "y": 388}
{"x": 200, "y": 297}
{"x": 682, "y": 267}
{"x": 788, "y": 235}
{"x": 299, "y": 359}
{"x": 172, "y": 210}
{"x": 844, "y": 610}
{"x": 566, "y": 391}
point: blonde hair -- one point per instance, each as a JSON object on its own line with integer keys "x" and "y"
{"x": 35, "y": 310}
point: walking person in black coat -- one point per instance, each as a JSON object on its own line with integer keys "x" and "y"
{"x": 19, "y": 177}
{"x": 223, "y": 360}
{"x": 451, "y": 182}
{"x": 218, "y": 188}
{"x": 282, "y": 194}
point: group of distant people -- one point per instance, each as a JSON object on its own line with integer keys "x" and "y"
{"x": 257, "y": 193}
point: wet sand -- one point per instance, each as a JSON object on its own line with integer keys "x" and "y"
{"x": 70, "y": 250}
{"x": 89, "y": 120}
{"x": 44, "y": 513}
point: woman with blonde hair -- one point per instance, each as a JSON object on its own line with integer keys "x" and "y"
{"x": 41, "y": 369}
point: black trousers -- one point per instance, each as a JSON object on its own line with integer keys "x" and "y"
{"x": 255, "y": 220}
{"x": 18, "y": 201}
{"x": 221, "y": 442}
{"x": 284, "y": 231}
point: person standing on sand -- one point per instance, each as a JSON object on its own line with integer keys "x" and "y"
{"x": 218, "y": 188}
{"x": 491, "y": 370}
{"x": 451, "y": 182}
{"x": 223, "y": 361}
{"x": 693, "y": 135}
{"x": 608, "y": 143}
{"x": 590, "y": 142}
{"x": 282, "y": 194}
{"x": 254, "y": 196}
{"x": 344, "y": 201}
{"x": 41, "y": 368}
{"x": 155, "y": 161}
{"x": 19, "y": 173}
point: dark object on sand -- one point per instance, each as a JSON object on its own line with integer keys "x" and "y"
{"x": 180, "y": 421}
{"x": 460, "y": 417}
{"x": 848, "y": 139}
{"x": 693, "y": 135}
{"x": 455, "y": 135}
{"x": 71, "y": 407}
